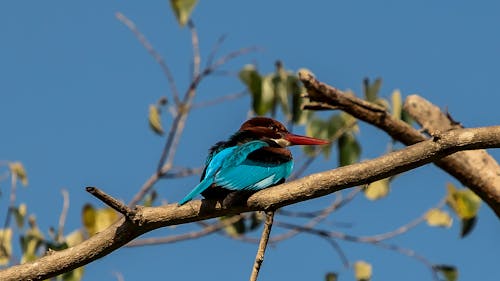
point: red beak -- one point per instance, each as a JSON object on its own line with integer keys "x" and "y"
{"x": 303, "y": 140}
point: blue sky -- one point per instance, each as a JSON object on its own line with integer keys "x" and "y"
{"x": 75, "y": 86}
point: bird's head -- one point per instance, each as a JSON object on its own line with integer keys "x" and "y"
{"x": 269, "y": 129}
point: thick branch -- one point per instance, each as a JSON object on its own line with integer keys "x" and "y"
{"x": 401, "y": 131}
{"x": 306, "y": 188}
{"x": 478, "y": 166}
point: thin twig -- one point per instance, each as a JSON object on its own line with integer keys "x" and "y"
{"x": 219, "y": 100}
{"x": 338, "y": 203}
{"x": 158, "y": 58}
{"x": 352, "y": 238}
{"x": 259, "y": 258}
{"x": 215, "y": 48}
{"x": 338, "y": 249}
{"x": 184, "y": 172}
{"x": 208, "y": 229}
{"x": 112, "y": 202}
{"x": 196, "y": 48}
{"x": 402, "y": 229}
{"x": 64, "y": 213}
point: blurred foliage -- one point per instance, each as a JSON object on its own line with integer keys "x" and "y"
{"x": 243, "y": 224}
{"x": 5, "y": 245}
{"x": 449, "y": 272}
{"x": 331, "y": 276}
{"x": 362, "y": 271}
{"x": 182, "y": 10}
{"x": 96, "y": 220}
{"x": 17, "y": 170}
{"x": 377, "y": 189}
{"x": 438, "y": 217}
{"x": 465, "y": 204}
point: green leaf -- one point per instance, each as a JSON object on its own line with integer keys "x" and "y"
{"x": 317, "y": 128}
{"x": 397, "y": 104}
{"x": 182, "y": 10}
{"x": 236, "y": 229}
{"x": 31, "y": 241}
{"x": 295, "y": 88}
{"x": 377, "y": 189}
{"x": 349, "y": 149}
{"x": 281, "y": 93}
{"x": 449, "y": 272}
{"x": 464, "y": 202}
{"x": 405, "y": 116}
{"x": 371, "y": 90}
{"x": 331, "y": 276}
{"x": 155, "y": 119}
{"x": 20, "y": 214}
{"x": 253, "y": 81}
{"x": 89, "y": 218}
{"x": 362, "y": 271}
{"x": 467, "y": 226}
{"x": 438, "y": 217}
{"x": 18, "y": 171}
{"x": 5, "y": 245}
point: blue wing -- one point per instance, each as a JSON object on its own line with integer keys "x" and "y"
{"x": 231, "y": 169}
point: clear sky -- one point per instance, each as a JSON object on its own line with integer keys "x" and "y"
{"x": 75, "y": 86}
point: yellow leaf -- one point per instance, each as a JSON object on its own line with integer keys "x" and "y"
{"x": 96, "y": 220}
{"x": 104, "y": 218}
{"x": 182, "y": 10}
{"x": 5, "y": 245}
{"x": 377, "y": 189}
{"x": 17, "y": 170}
{"x": 438, "y": 217}
{"x": 89, "y": 218}
{"x": 155, "y": 120}
{"x": 396, "y": 104}
{"x": 464, "y": 202}
{"x": 20, "y": 214}
{"x": 74, "y": 238}
{"x": 362, "y": 271}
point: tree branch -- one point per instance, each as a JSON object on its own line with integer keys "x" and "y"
{"x": 312, "y": 186}
{"x": 401, "y": 131}
{"x": 264, "y": 239}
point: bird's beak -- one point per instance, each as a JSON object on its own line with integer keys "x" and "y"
{"x": 303, "y": 140}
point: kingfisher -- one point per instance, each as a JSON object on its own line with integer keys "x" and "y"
{"x": 253, "y": 158}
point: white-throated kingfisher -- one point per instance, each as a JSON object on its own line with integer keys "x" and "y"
{"x": 254, "y": 158}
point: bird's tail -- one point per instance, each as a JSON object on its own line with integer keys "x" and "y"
{"x": 204, "y": 184}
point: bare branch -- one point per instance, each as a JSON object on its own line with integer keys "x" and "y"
{"x": 259, "y": 258}
{"x": 219, "y": 100}
{"x": 482, "y": 169}
{"x": 215, "y": 48}
{"x": 312, "y": 186}
{"x": 112, "y": 202}
{"x": 158, "y": 58}
{"x": 208, "y": 229}
{"x": 196, "y": 48}
{"x": 401, "y": 131}
{"x": 352, "y": 238}
{"x": 64, "y": 213}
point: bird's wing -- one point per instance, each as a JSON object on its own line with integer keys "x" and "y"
{"x": 228, "y": 157}
{"x": 252, "y": 175}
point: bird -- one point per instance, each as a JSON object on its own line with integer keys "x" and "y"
{"x": 253, "y": 158}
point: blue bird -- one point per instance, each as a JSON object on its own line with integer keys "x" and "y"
{"x": 254, "y": 158}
